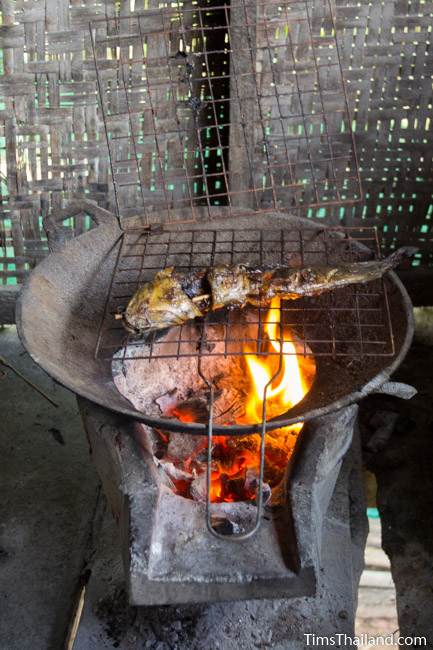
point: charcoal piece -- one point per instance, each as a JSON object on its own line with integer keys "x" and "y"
{"x": 225, "y": 526}
{"x": 184, "y": 447}
{"x": 167, "y": 401}
{"x": 234, "y": 488}
{"x": 198, "y": 488}
{"x": 252, "y": 485}
{"x": 194, "y": 409}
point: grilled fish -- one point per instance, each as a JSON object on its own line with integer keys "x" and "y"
{"x": 174, "y": 297}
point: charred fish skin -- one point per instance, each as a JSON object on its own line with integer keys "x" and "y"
{"x": 160, "y": 303}
{"x": 234, "y": 286}
{"x": 172, "y": 297}
{"x": 312, "y": 281}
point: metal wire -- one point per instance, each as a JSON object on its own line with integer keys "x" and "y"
{"x": 238, "y": 537}
{"x": 197, "y": 116}
{"x": 354, "y": 321}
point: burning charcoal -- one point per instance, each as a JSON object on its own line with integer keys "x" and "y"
{"x": 204, "y": 346}
{"x": 252, "y": 443}
{"x": 175, "y": 478}
{"x": 201, "y": 457}
{"x": 224, "y": 526}
{"x": 191, "y": 410}
{"x": 252, "y": 484}
{"x": 233, "y": 489}
{"x": 231, "y": 413}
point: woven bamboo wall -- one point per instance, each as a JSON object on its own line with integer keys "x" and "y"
{"x": 52, "y": 143}
{"x": 388, "y": 62}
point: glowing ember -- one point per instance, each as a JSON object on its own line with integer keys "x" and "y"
{"x": 236, "y": 460}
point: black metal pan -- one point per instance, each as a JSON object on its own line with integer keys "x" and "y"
{"x": 62, "y": 301}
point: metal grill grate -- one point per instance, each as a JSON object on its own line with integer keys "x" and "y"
{"x": 352, "y": 321}
{"x": 239, "y": 104}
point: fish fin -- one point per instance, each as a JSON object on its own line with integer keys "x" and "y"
{"x": 397, "y": 256}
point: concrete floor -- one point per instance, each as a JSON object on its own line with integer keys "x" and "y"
{"x": 49, "y": 493}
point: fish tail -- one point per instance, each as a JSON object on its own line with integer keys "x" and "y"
{"x": 397, "y": 256}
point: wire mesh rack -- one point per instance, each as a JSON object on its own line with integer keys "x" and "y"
{"x": 240, "y": 104}
{"x": 351, "y": 321}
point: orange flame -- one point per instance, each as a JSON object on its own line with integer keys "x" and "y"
{"x": 287, "y": 378}
{"x": 286, "y": 385}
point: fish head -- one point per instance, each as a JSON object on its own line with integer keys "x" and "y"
{"x": 159, "y": 304}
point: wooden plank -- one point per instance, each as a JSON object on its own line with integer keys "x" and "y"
{"x": 243, "y": 100}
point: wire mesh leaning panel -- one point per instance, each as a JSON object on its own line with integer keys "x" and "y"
{"x": 52, "y": 143}
{"x": 241, "y": 105}
{"x": 351, "y": 321}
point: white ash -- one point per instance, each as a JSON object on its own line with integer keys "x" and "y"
{"x": 185, "y": 447}
{"x": 155, "y": 385}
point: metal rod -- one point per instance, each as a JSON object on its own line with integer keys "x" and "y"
{"x": 106, "y": 310}
{"x": 259, "y": 492}
{"x": 104, "y": 119}
{"x": 180, "y": 133}
{"x": 131, "y": 127}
